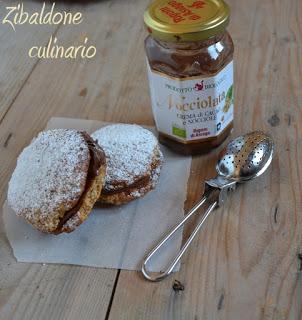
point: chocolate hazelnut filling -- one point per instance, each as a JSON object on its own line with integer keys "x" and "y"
{"x": 97, "y": 159}
{"x": 138, "y": 184}
{"x": 142, "y": 182}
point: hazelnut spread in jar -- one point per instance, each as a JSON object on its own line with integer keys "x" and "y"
{"x": 190, "y": 70}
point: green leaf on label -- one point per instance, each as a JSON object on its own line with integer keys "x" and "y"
{"x": 179, "y": 132}
{"x": 228, "y": 99}
{"x": 229, "y": 94}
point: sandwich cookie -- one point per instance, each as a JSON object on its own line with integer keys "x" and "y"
{"x": 57, "y": 180}
{"x": 134, "y": 162}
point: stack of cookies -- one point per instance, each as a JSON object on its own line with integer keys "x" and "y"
{"x": 63, "y": 172}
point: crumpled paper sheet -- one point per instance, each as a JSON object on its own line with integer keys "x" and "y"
{"x": 116, "y": 237}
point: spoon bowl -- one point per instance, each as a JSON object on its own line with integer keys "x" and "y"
{"x": 246, "y": 157}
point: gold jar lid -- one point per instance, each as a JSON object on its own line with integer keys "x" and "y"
{"x": 186, "y": 20}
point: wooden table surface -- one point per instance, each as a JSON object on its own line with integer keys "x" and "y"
{"x": 247, "y": 262}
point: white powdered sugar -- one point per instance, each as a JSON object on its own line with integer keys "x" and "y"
{"x": 151, "y": 185}
{"x": 50, "y": 174}
{"x": 130, "y": 150}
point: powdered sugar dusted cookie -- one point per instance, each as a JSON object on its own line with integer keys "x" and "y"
{"x": 57, "y": 180}
{"x": 134, "y": 161}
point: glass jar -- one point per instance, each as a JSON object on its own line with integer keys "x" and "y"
{"x": 190, "y": 70}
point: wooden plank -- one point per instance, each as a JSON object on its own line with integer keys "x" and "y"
{"x": 15, "y": 65}
{"x": 57, "y": 292}
{"x": 245, "y": 263}
{"x": 85, "y": 89}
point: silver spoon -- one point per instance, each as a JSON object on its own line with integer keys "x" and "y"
{"x": 243, "y": 159}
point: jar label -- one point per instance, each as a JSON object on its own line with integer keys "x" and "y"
{"x": 194, "y": 108}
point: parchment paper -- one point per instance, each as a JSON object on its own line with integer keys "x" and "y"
{"x": 117, "y": 237}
